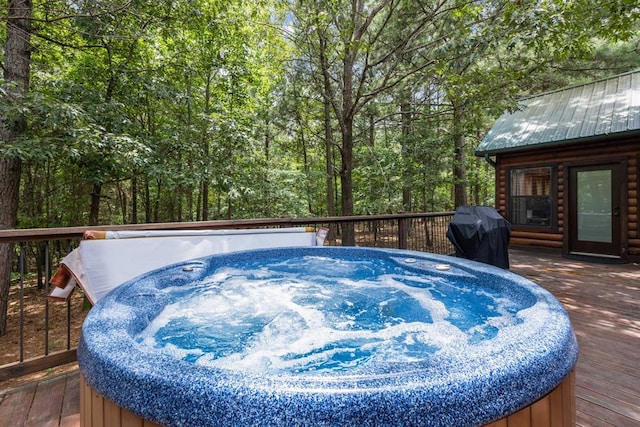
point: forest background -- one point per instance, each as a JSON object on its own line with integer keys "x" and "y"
{"x": 130, "y": 111}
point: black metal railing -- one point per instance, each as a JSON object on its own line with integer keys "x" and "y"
{"x": 43, "y": 334}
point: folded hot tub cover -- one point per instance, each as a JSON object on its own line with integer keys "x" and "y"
{"x": 104, "y": 260}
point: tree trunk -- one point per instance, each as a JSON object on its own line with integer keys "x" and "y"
{"x": 156, "y": 202}
{"x": 17, "y": 66}
{"x": 407, "y": 172}
{"x": 266, "y": 185}
{"x": 94, "y": 212}
{"x": 205, "y": 200}
{"x": 134, "y": 199}
{"x": 328, "y": 135}
{"x": 122, "y": 198}
{"x": 305, "y": 160}
{"x": 346, "y": 181}
{"x": 9, "y": 191}
{"x": 460, "y": 159}
{"x": 328, "y": 143}
{"x": 346, "y": 172}
{"x": 147, "y": 206}
{"x": 328, "y": 146}
{"x": 205, "y": 149}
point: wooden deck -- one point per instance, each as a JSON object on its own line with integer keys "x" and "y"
{"x": 603, "y": 301}
{"x": 48, "y": 403}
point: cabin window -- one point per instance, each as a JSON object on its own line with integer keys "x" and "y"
{"x": 530, "y": 201}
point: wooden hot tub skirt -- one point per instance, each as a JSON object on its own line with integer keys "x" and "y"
{"x": 556, "y": 409}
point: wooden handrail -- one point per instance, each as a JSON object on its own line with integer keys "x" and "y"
{"x": 39, "y": 234}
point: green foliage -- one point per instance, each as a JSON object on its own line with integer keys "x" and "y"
{"x": 181, "y": 110}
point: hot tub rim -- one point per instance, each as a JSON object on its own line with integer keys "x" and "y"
{"x": 91, "y": 363}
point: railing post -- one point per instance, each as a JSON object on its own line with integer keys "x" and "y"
{"x": 68, "y": 307}
{"x": 46, "y": 300}
{"x": 403, "y": 233}
{"x": 21, "y": 268}
{"x": 428, "y": 224}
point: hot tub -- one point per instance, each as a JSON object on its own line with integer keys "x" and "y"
{"x": 328, "y": 336}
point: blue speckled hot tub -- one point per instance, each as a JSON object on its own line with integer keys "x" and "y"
{"x": 326, "y": 336}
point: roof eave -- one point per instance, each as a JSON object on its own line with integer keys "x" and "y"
{"x": 552, "y": 144}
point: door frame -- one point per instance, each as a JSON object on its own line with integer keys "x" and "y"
{"x": 618, "y": 247}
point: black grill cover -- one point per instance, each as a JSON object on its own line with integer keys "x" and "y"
{"x": 481, "y": 234}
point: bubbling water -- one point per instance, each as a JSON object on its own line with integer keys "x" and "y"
{"x": 314, "y": 314}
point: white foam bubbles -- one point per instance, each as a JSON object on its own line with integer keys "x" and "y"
{"x": 288, "y": 316}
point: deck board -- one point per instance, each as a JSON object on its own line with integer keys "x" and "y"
{"x": 14, "y": 407}
{"x": 603, "y": 301}
{"x": 47, "y": 404}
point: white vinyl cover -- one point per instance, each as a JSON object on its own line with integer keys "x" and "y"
{"x": 101, "y": 265}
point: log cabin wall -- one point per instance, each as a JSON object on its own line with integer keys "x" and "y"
{"x": 560, "y": 158}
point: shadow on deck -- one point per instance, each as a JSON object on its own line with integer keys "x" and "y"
{"x": 603, "y": 301}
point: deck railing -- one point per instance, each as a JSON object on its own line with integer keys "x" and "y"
{"x": 43, "y": 334}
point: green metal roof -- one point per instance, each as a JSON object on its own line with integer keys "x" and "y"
{"x": 605, "y": 107}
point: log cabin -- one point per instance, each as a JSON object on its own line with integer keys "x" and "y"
{"x": 566, "y": 167}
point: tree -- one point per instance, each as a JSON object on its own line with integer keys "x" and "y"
{"x": 112, "y": 36}
{"x": 16, "y": 73}
{"x": 372, "y": 47}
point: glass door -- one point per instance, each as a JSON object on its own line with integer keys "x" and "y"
{"x": 595, "y": 209}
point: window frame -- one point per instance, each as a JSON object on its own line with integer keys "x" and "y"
{"x": 553, "y": 195}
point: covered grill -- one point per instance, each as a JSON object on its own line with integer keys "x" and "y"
{"x": 480, "y": 233}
